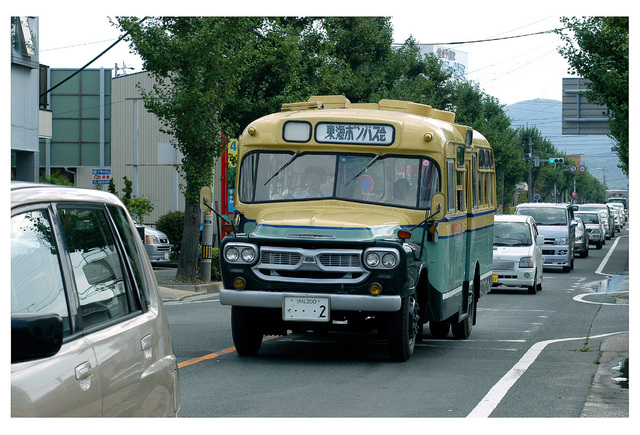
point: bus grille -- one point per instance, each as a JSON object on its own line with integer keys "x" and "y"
{"x": 280, "y": 258}
{"x": 340, "y": 260}
{"x": 311, "y": 266}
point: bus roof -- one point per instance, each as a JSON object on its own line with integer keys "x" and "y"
{"x": 416, "y": 119}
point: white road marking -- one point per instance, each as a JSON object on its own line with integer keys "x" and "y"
{"x": 500, "y": 389}
{"x": 606, "y": 258}
{"x": 580, "y": 298}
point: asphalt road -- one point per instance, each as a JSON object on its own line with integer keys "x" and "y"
{"x": 528, "y": 356}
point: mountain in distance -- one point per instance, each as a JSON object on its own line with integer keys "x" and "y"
{"x": 596, "y": 152}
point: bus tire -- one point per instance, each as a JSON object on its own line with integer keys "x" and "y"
{"x": 246, "y": 330}
{"x": 403, "y": 330}
{"x": 462, "y": 330}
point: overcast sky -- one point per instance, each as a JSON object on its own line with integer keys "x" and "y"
{"x": 511, "y": 70}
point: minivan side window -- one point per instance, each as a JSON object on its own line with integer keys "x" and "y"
{"x": 128, "y": 239}
{"x": 36, "y": 280}
{"x": 96, "y": 265}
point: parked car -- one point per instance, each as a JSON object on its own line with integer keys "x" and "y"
{"x": 89, "y": 336}
{"x": 156, "y": 243}
{"x": 609, "y": 225}
{"x": 582, "y": 238}
{"x": 555, "y": 222}
{"x": 517, "y": 253}
{"x": 594, "y": 227}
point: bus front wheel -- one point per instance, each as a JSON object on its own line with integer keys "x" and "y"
{"x": 403, "y": 330}
{"x": 246, "y": 330}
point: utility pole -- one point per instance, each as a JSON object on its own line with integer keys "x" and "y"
{"x": 530, "y": 164}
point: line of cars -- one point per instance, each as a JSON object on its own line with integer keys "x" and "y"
{"x": 542, "y": 235}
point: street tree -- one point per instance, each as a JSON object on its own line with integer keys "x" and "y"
{"x": 597, "y": 48}
{"x": 194, "y": 62}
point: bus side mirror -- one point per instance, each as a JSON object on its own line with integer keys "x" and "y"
{"x": 438, "y": 201}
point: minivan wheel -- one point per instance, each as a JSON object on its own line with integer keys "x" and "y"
{"x": 532, "y": 288}
{"x": 246, "y": 330}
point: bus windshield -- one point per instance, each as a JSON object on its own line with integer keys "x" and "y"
{"x": 401, "y": 181}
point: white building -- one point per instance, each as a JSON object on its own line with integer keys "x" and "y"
{"x": 454, "y": 60}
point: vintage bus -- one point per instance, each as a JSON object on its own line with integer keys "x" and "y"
{"x": 359, "y": 217}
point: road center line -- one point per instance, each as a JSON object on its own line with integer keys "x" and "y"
{"x": 216, "y": 354}
{"x": 500, "y": 389}
{"x": 606, "y": 258}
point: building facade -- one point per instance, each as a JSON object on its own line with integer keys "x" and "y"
{"x": 139, "y": 150}
{"x": 28, "y": 121}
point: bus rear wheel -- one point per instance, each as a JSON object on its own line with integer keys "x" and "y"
{"x": 403, "y": 330}
{"x": 462, "y": 330}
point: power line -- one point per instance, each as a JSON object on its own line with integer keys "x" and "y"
{"x": 487, "y": 40}
{"x": 90, "y": 62}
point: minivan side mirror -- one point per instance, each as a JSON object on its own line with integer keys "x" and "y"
{"x": 540, "y": 240}
{"x": 35, "y": 336}
{"x": 574, "y": 223}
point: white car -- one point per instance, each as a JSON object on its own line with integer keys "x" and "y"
{"x": 517, "y": 253}
{"x": 593, "y": 222}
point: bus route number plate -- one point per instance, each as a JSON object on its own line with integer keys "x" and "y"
{"x": 306, "y": 308}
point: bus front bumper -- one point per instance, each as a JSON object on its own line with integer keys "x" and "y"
{"x": 338, "y": 302}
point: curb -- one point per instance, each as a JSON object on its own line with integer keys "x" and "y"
{"x": 606, "y": 398}
{"x": 172, "y": 292}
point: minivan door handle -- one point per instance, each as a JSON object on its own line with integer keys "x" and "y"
{"x": 83, "y": 375}
{"x": 146, "y": 346}
{"x": 83, "y": 371}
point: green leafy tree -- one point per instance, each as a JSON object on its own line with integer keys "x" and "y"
{"x": 127, "y": 191}
{"x": 141, "y": 206}
{"x": 598, "y": 50}
{"x": 195, "y": 63}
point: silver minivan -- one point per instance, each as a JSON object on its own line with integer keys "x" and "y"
{"x": 556, "y": 223}
{"x": 89, "y": 336}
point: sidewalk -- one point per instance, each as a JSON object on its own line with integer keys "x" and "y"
{"x": 171, "y": 289}
{"x": 606, "y": 397}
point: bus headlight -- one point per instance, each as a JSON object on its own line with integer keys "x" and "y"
{"x": 381, "y": 258}
{"x": 248, "y": 255}
{"x": 372, "y": 259}
{"x": 240, "y": 253}
{"x": 231, "y": 254}
{"x": 389, "y": 261}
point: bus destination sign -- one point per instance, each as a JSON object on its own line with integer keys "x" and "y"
{"x": 353, "y": 133}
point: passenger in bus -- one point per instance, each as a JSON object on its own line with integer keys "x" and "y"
{"x": 315, "y": 177}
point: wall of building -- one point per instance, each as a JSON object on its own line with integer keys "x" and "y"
{"x": 139, "y": 150}
{"x": 25, "y": 97}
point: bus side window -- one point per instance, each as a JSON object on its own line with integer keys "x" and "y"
{"x": 430, "y": 184}
{"x": 451, "y": 185}
{"x": 460, "y": 188}
{"x": 474, "y": 180}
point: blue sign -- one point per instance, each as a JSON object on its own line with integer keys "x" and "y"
{"x": 536, "y": 197}
{"x": 101, "y": 176}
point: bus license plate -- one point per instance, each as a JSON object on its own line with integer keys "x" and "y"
{"x": 306, "y": 308}
{"x": 494, "y": 278}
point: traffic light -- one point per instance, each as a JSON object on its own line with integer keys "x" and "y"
{"x": 556, "y": 160}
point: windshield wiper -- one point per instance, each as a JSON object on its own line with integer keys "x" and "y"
{"x": 283, "y": 167}
{"x": 371, "y": 162}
